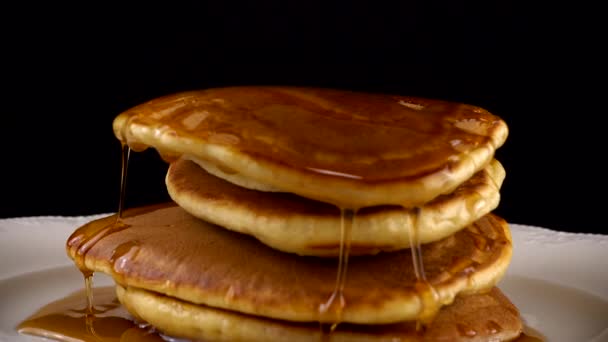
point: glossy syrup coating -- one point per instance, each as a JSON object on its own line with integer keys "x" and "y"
{"x": 350, "y": 142}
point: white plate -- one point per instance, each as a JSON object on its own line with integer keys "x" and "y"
{"x": 558, "y": 280}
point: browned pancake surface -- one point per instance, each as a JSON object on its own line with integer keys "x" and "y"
{"x": 323, "y": 129}
{"x": 475, "y": 318}
{"x": 299, "y": 225}
{"x": 346, "y": 147}
{"x": 171, "y": 252}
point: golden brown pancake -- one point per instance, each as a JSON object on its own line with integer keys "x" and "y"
{"x": 291, "y": 223}
{"x": 350, "y": 149}
{"x": 171, "y": 252}
{"x": 474, "y": 318}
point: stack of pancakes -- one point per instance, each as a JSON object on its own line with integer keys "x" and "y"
{"x": 300, "y": 206}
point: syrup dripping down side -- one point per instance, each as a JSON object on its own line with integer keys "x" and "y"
{"x": 63, "y": 325}
{"x": 428, "y": 296}
{"x": 112, "y": 228}
{"x": 336, "y": 303}
{"x": 126, "y": 153}
{"x": 95, "y": 314}
{"x": 90, "y": 308}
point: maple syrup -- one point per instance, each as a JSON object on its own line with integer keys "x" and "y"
{"x": 246, "y": 130}
{"x": 428, "y": 296}
{"x": 336, "y": 301}
{"x": 126, "y": 153}
{"x": 72, "y": 319}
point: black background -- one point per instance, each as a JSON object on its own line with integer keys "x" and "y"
{"x": 69, "y": 71}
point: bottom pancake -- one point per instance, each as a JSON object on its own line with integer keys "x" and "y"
{"x": 479, "y": 317}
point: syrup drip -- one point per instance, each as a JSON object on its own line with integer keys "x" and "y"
{"x": 336, "y": 301}
{"x": 90, "y": 241}
{"x": 416, "y": 247}
{"x": 427, "y": 294}
{"x": 88, "y": 287}
{"x": 126, "y": 153}
{"x": 87, "y": 240}
{"x": 89, "y": 312}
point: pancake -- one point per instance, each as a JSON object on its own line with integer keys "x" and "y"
{"x": 350, "y": 149}
{"x": 173, "y": 253}
{"x": 291, "y": 223}
{"x": 475, "y": 318}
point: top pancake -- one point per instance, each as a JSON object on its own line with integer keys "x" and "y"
{"x": 346, "y": 148}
